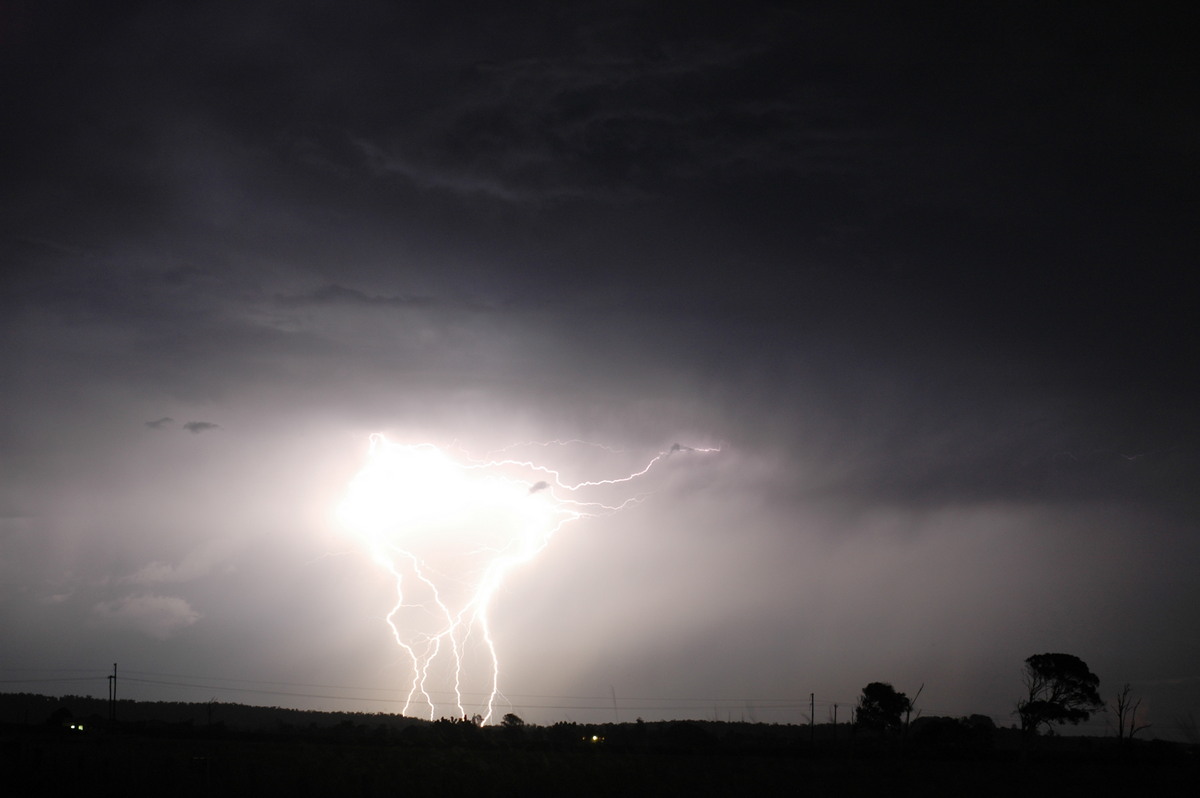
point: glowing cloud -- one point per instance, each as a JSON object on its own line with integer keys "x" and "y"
{"x": 448, "y": 527}
{"x": 150, "y": 614}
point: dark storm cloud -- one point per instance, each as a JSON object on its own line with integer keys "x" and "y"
{"x": 196, "y": 427}
{"x": 883, "y": 189}
{"x": 612, "y": 125}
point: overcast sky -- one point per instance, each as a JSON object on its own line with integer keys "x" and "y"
{"x": 925, "y": 278}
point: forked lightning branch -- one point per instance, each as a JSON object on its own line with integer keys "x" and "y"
{"x": 449, "y": 527}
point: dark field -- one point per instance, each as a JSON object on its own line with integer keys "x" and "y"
{"x": 186, "y": 749}
{"x": 129, "y": 764}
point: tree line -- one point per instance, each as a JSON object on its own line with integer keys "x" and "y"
{"x": 1059, "y": 689}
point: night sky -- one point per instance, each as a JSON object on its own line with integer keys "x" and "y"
{"x": 925, "y": 276}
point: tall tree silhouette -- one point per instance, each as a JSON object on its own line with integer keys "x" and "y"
{"x": 880, "y": 707}
{"x": 1060, "y": 688}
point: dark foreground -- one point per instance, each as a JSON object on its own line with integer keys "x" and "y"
{"x": 137, "y": 764}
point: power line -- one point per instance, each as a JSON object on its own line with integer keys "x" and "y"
{"x": 53, "y": 680}
{"x": 597, "y": 697}
{"x": 206, "y": 682}
{"x": 526, "y": 701}
{"x": 647, "y": 704}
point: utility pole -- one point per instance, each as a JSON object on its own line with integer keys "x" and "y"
{"x": 112, "y": 698}
{"x": 812, "y": 717}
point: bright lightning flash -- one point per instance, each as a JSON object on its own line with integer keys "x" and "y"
{"x": 448, "y": 528}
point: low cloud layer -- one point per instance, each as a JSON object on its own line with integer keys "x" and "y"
{"x": 157, "y": 616}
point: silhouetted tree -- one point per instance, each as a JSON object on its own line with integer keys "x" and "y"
{"x": 1126, "y": 709}
{"x": 511, "y": 721}
{"x": 1060, "y": 689}
{"x": 974, "y": 733}
{"x": 880, "y": 707}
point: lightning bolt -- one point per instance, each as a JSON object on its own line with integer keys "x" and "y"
{"x": 448, "y": 528}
